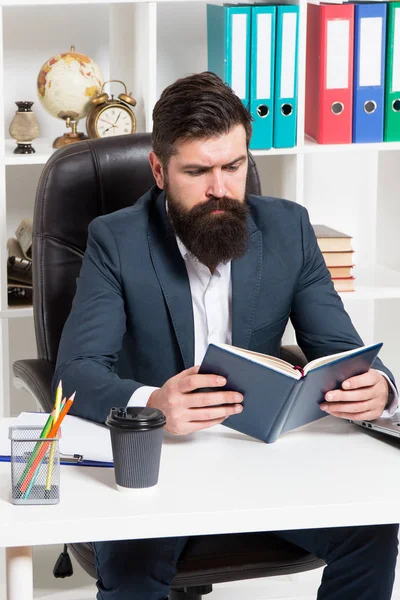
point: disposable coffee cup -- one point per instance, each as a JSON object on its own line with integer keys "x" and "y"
{"x": 136, "y": 440}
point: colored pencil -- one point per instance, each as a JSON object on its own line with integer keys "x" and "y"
{"x": 44, "y": 433}
{"x": 50, "y": 464}
{"x": 33, "y": 455}
{"x": 45, "y": 445}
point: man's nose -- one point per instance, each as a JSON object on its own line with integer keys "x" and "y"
{"x": 216, "y": 186}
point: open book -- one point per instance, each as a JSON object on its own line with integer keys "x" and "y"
{"x": 279, "y": 397}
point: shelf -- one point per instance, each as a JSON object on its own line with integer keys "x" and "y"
{"x": 375, "y": 283}
{"x": 43, "y": 152}
{"x": 311, "y": 147}
{"x": 276, "y": 151}
{"x": 17, "y": 312}
{"x": 13, "y": 3}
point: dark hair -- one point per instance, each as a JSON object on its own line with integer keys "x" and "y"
{"x": 198, "y": 106}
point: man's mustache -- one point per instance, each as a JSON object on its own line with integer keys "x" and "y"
{"x": 224, "y": 203}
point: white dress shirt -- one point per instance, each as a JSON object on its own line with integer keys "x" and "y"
{"x": 212, "y": 314}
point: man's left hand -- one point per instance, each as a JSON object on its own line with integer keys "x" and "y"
{"x": 363, "y": 397}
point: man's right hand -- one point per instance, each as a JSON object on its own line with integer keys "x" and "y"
{"x": 186, "y": 411}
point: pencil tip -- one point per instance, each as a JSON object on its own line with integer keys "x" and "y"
{"x": 73, "y": 396}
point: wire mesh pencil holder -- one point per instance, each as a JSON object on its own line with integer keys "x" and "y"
{"x": 35, "y": 466}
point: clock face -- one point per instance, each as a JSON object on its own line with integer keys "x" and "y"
{"x": 114, "y": 120}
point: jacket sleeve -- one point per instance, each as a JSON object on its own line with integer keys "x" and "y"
{"x": 93, "y": 333}
{"x": 319, "y": 318}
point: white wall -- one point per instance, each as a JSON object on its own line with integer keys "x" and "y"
{"x": 32, "y": 35}
{"x": 185, "y": 51}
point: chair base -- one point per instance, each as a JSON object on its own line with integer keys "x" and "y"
{"x": 192, "y": 593}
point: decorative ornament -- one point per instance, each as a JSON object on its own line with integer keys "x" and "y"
{"x": 24, "y": 128}
{"x": 66, "y": 84}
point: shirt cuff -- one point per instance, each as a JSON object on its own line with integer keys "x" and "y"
{"x": 393, "y": 400}
{"x": 141, "y": 396}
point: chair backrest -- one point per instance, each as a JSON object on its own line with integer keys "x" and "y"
{"x": 78, "y": 183}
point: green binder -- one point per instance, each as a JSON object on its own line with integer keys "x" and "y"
{"x": 392, "y": 84}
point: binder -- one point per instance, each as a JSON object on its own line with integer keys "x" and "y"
{"x": 228, "y": 45}
{"x": 369, "y": 70}
{"x": 329, "y": 73}
{"x": 392, "y": 86}
{"x": 82, "y": 443}
{"x": 262, "y": 79}
{"x": 285, "y": 103}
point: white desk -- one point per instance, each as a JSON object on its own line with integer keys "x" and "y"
{"x": 327, "y": 474}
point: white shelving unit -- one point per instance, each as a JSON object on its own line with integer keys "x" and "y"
{"x": 148, "y": 45}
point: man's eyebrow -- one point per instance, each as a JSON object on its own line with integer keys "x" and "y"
{"x": 236, "y": 160}
{"x": 205, "y": 167}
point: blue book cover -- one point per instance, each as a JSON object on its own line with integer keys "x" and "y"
{"x": 278, "y": 397}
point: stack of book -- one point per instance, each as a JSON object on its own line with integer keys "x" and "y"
{"x": 337, "y": 250}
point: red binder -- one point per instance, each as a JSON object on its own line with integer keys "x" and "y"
{"x": 329, "y": 73}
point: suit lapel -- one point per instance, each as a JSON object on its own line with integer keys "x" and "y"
{"x": 172, "y": 275}
{"x": 246, "y": 278}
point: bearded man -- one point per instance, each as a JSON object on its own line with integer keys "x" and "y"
{"x": 196, "y": 261}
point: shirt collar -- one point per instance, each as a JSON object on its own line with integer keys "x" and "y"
{"x": 183, "y": 250}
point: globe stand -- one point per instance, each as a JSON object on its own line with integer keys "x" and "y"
{"x": 69, "y": 138}
{"x": 24, "y": 148}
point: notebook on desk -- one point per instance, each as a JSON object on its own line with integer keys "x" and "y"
{"x": 82, "y": 442}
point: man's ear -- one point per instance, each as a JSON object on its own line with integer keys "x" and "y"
{"x": 157, "y": 168}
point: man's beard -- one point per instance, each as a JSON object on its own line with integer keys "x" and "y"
{"x": 211, "y": 238}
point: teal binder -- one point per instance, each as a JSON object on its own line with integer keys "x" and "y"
{"x": 285, "y": 103}
{"x": 228, "y": 45}
{"x": 262, "y": 75}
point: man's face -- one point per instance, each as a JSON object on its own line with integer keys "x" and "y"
{"x": 205, "y": 185}
{"x": 215, "y": 167}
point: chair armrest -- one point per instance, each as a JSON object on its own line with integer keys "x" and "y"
{"x": 293, "y": 355}
{"x": 36, "y": 375}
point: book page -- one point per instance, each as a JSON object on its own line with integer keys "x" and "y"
{"x": 324, "y": 360}
{"x": 277, "y": 364}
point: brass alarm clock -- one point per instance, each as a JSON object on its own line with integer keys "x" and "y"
{"x": 108, "y": 117}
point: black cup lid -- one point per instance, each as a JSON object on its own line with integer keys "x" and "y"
{"x": 135, "y": 418}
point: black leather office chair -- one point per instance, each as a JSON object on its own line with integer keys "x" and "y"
{"x": 78, "y": 183}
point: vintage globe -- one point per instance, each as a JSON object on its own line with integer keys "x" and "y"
{"x": 67, "y": 82}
